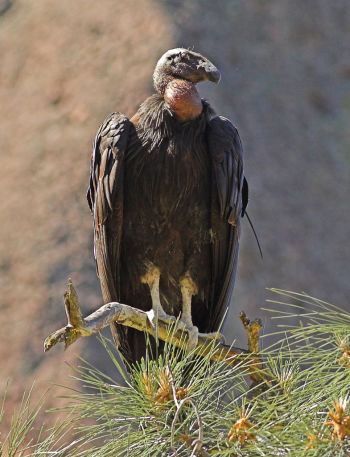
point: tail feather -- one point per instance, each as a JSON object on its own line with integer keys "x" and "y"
{"x": 256, "y": 236}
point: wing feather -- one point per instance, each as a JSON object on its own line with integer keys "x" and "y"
{"x": 227, "y": 159}
{"x": 105, "y": 198}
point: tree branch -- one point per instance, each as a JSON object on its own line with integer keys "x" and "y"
{"x": 132, "y": 317}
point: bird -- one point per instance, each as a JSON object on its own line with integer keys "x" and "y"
{"x": 167, "y": 193}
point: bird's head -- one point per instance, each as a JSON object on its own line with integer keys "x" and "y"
{"x": 184, "y": 64}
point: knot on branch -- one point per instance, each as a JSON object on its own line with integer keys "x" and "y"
{"x": 76, "y": 326}
{"x": 252, "y": 329}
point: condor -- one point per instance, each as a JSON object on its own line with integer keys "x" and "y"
{"x": 167, "y": 193}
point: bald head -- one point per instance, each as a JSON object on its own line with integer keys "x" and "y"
{"x": 181, "y": 63}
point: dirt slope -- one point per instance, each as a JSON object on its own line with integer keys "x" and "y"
{"x": 65, "y": 67}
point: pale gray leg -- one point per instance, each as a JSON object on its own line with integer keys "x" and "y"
{"x": 152, "y": 277}
{"x": 188, "y": 289}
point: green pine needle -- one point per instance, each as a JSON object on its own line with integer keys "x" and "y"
{"x": 181, "y": 404}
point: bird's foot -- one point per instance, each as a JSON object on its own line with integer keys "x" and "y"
{"x": 154, "y": 316}
{"x": 192, "y": 334}
{"x": 214, "y": 336}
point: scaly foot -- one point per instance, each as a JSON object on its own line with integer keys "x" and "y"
{"x": 214, "y": 336}
{"x": 192, "y": 333}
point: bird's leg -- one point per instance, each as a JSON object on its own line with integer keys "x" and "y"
{"x": 151, "y": 278}
{"x": 188, "y": 289}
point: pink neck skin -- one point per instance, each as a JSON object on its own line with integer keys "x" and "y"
{"x": 183, "y": 99}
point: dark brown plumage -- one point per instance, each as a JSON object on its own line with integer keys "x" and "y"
{"x": 166, "y": 196}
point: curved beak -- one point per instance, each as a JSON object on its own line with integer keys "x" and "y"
{"x": 203, "y": 70}
{"x": 211, "y": 73}
{"x": 214, "y": 76}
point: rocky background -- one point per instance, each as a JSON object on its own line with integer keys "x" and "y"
{"x": 66, "y": 65}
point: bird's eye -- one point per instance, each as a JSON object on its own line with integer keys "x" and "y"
{"x": 169, "y": 57}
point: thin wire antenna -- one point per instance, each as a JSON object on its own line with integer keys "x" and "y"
{"x": 256, "y": 236}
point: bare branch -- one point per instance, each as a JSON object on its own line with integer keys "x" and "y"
{"x": 73, "y": 312}
{"x": 132, "y": 317}
{"x": 196, "y": 444}
{"x": 252, "y": 330}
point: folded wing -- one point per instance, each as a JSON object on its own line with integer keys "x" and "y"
{"x": 227, "y": 159}
{"x": 105, "y": 198}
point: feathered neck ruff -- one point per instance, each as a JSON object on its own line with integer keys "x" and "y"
{"x": 158, "y": 127}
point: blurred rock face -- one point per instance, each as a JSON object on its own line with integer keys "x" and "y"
{"x": 5, "y": 5}
{"x": 64, "y": 68}
{"x": 285, "y": 84}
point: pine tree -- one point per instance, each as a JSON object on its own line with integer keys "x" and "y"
{"x": 183, "y": 404}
